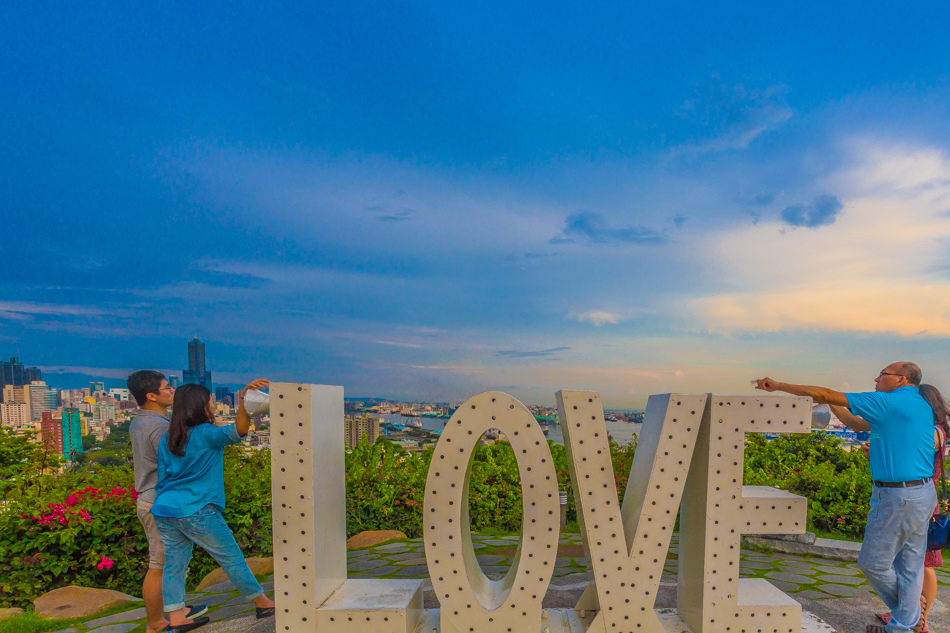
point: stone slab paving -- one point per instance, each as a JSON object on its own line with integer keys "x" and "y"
{"x": 125, "y": 616}
{"x": 117, "y": 628}
{"x": 835, "y": 591}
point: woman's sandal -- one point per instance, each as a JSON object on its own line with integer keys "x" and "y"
{"x": 886, "y": 617}
{"x": 265, "y": 612}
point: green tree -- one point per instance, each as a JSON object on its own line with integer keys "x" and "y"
{"x": 22, "y": 457}
{"x": 88, "y": 441}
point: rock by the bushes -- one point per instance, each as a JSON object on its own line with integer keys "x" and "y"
{"x": 373, "y": 537}
{"x": 258, "y": 566}
{"x": 78, "y": 602}
{"x": 9, "y": 613}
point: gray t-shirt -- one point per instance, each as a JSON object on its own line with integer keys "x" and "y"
{"x": 146, "y": 430}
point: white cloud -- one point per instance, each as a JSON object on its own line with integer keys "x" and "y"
{"x": 599, "y": 317}
{"x": 28, "y": 307}
{"x": 876, "y": 269}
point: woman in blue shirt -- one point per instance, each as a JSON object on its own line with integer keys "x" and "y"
{"x": 190, "y": 499}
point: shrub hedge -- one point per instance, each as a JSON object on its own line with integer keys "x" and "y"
{"x": 80, "y": 527}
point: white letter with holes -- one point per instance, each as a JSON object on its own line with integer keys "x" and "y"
{"x": 471, "y": 602}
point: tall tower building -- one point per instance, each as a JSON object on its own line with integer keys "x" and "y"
{"x": 11, "y": 373}
{"x": 32, "y": 374}
{"x": 42, "y": 398}
{"x": 13, "y": 415}
{"x": 71, "y": 432}
{"x": 96, "y": 386}
{"x": 359, "y": 425}
{"x": 51, "y": 433}
{"x": 18, "y": 395}
{"x": 196, "y": 374}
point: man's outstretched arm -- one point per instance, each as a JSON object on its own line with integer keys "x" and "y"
{"x": 821, "y": 395}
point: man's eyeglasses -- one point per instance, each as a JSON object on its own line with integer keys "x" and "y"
{"x": 884, "y": 373}
{"x": 166, "y": 388}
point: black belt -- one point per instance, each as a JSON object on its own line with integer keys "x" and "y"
{"x": 902, "y": 484}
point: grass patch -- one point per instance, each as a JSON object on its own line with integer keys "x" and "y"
{"x": 755, "y": 547}
{"x": 30, "y": 622}
{"x": 493, "y": 532}
{"x": 837, "y": 536}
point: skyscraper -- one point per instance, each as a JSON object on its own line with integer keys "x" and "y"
{"x": 96, "y": 386}
{"x": 359, "y": 425}
{"x": 32, "y": 374}
{"x": 12, "y": 373}
{"x": 196, "y": 374}
{"x": 13, "y": 395}
{"x": 72, "y": 433}
{"x": 14, "y": 416}
{"x": 51, "y": 432}
{"x": 42, "y": 398}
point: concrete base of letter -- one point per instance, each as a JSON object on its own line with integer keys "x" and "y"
{"x": 569, "y": 621}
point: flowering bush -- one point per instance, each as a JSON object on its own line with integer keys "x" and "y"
{"x": 81, "y": 528}
{"x": 88, "y": 537}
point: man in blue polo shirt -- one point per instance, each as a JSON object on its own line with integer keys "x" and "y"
{"x": 903, "y": 498}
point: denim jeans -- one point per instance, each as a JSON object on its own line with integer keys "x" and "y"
{"x": 892, "y": 555}
{"x": 207, "y": 528}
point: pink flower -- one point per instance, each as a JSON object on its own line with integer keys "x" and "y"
{"x": 105, "y": 563}
{"x": 72, "y": 500}
{"x": 134, "y": 493}
{"x": 84, "y": 516}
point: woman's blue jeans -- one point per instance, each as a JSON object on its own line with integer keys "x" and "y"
{"x": 207, "y": 528}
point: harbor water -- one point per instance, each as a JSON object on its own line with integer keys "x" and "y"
{"x": 620, "y": 432}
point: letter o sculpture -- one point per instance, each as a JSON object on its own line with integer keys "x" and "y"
{"x": 469, "y": 601}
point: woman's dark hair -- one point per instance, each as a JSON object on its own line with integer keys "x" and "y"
{"x": 190, "y": 410}
{"x": 939, "y": 405}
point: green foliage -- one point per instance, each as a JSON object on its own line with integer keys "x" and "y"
{"x": 30, "y": 622}
{"x": 76, "y": 528}
{"x": 81, "y": 527}
{"x": 88, "y": 441}
{"x": 21, "y": 456}
{"x": 815, "y": 465}
{"x": 385, "y": 487}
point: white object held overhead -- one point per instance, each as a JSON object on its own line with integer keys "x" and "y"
{"x": 256, "y": 402}
{"x": 820, "y": 416}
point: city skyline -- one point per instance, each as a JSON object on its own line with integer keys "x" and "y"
{"x": 425, "y": 202}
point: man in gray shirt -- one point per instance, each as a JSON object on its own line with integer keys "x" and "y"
{"x": 154, "y": 395}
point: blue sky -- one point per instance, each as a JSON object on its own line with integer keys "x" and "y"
{"x": 421, "y": 200}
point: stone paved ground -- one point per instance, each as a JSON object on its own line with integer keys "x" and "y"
{"x": 834, "y": 590}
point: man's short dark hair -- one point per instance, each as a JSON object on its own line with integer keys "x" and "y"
{"x": 144, "y": 382}
{"x": 911, "y": 372}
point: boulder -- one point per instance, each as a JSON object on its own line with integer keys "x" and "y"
{"x": 373, "y": 537}
{"x": 258, "y": 566}
{"x": 78, "y": 602}
{"x": 9, "y": 613}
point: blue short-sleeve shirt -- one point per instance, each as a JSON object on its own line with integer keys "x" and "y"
{"x": 902, "y": 433}
{"x": 187, "y": 484}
